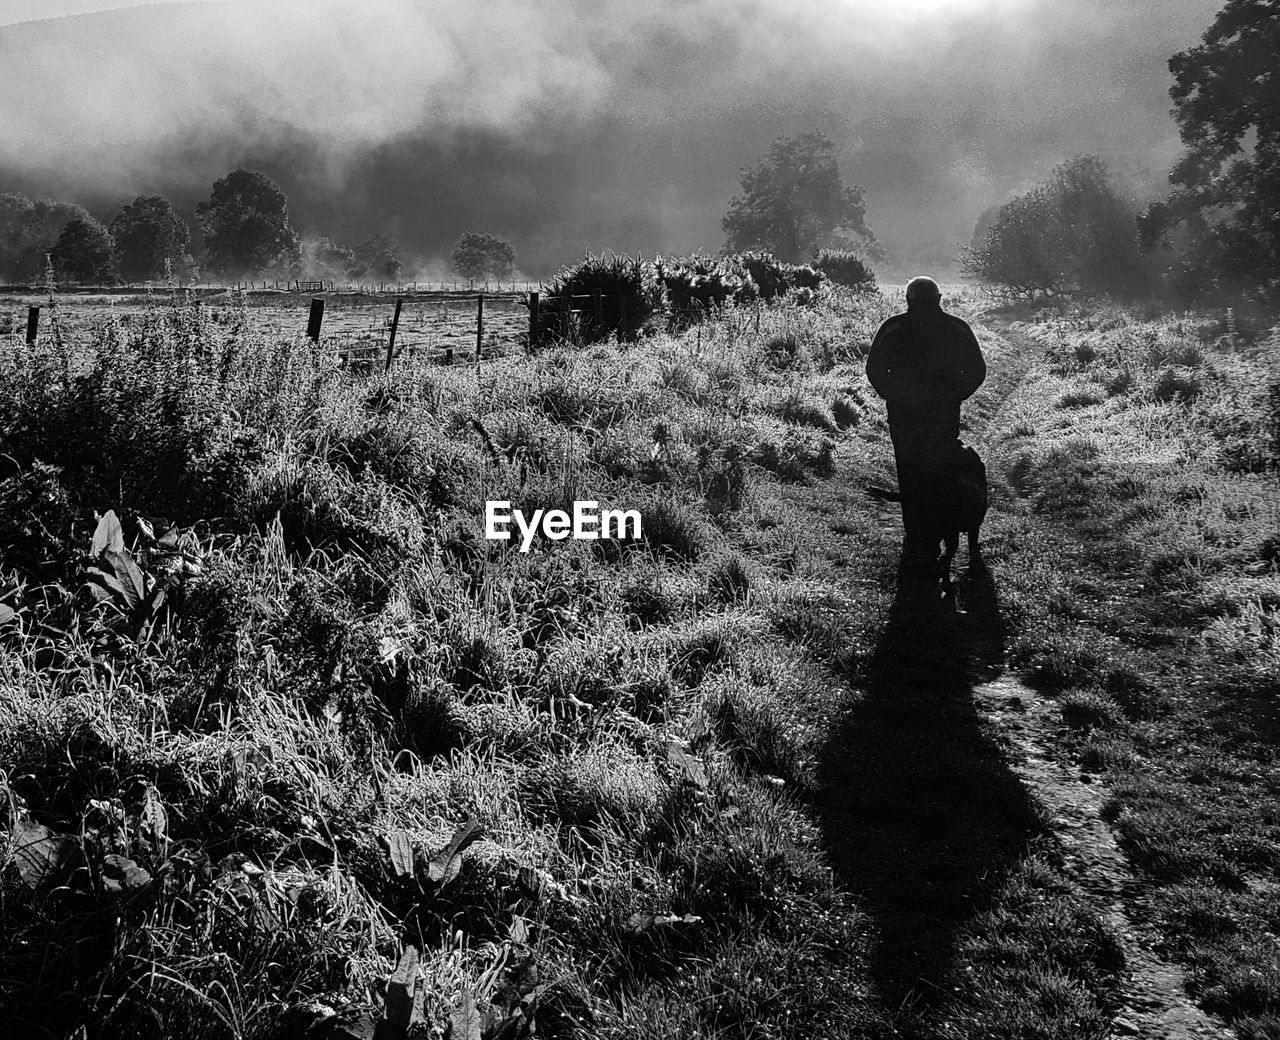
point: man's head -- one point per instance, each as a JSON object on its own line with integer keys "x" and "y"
{"x": 923, "y": 293}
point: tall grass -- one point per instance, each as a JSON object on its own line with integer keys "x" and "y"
{"x": 241, "y": 816}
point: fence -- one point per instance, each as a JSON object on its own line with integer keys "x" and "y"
{"x": 444, "y": 327}
{"x": 449, "y": 336}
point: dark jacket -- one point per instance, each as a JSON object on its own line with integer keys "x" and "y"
{"x": 924, "y": 363}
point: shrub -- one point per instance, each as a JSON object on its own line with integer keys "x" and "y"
{"x": 35, "y": 519}
{"x": 1073, "y": 232}
{"x": 697, "y": 284}
{"x": 136, "y": 427}
{"x": 768, "y": 272}
{"x": 844, "y": 267}
{"x": 629, "y": 291}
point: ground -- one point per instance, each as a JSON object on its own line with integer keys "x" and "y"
{"x": 741, "y": 778}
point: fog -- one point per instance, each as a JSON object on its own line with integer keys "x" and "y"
{"x": 572, "y": 125}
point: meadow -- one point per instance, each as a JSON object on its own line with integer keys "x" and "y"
{"x": 356, "y": 321}
{"x": 289, "y": 749}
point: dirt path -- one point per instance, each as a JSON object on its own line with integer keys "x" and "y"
{"x": 1156, "y": 1004}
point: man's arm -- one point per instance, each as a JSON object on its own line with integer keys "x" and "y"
{"x": 879, "y": 370}
{"x": 972, "y": 369}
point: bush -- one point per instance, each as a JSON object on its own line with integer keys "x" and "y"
{"x": 629, "y": 291}
{"x": 696, "y": 285}
{"x": 1071, "y": 233}
{"x": 133, "y": 429}
{"x": 768, "y": 272}
{"x": 843, "y": 267}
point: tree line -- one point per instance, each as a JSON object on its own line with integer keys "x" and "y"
{"x": 246, "y": 232}
{"x": 1215, "y": 237}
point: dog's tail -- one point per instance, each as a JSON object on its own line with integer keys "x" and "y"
{"x": 884, "y": 494}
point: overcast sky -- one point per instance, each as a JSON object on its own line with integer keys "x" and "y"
{"x": 568, "y": 125}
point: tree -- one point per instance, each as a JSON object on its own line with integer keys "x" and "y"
{"x": 84, "y": 252}
{"x": 478, "y": 256}
{"x": 28, "y": 230}
{"x": 148, "y": 232}
{"x": 794, "y": 202}
{"x": 1072, "y": 233}
{"x": 379, "y": 257}
{"x": 1227, "y": 186}
{"x": 326, "y": 258}
{"x": 246, "y": 226}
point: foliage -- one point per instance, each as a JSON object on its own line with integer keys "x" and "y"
{"x": 628, "y": 290}
{"x": 380, "y": 258}
{"x": 129, "y": 426}
{"x": 1179, "y": 729}
{"x": 696, "y": 284}
{"x": 246, "y": 226}
{"x": 325, "y": 257}
{"x": 1072, "y": 233}
{"x": 846, "y": 268}
{"x": 84, "y": 253}
{"x": 794, "y": 201}
{"x": 775, "y": 278}
{"x": 1227, "y": 185}
{"x": 604, "y": 789}
{"x": 478, "y": 256}
{"x": 148, "y": 234}
{"x": 29, "y": 228}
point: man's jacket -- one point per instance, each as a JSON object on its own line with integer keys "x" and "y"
{"x": 924, "y": 363}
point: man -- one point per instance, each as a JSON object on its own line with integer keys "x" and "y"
{"x": 923, "y": 363}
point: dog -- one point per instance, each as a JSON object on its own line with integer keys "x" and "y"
{"x": 958, "y": 503}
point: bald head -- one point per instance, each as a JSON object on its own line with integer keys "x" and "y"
{"x": 923, "y": 292}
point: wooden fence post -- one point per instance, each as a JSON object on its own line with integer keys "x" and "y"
{"x": 33, "y": 325}
{"x": 533, "y": 321}
{"x": 566, "y": 302}
{"x": 597, "y": 308}
{"x": 448, "y": 355}
{"x": 623, "y": 332}
{"x": 479, "y": 322}
{"x": 391, "y": 343}
{"x": 315, "y": 318}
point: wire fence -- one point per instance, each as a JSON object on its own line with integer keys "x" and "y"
{"x": 364, "y": 331}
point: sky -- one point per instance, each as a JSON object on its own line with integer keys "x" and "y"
{"x": 569, "y": 126}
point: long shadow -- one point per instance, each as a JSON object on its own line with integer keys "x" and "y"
{"x": 921, "y": 816}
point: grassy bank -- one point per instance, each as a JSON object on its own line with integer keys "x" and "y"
{"x": 352, "y": 725}
{"x": 1143, "y": 586}
{"x": 363, "y": 768}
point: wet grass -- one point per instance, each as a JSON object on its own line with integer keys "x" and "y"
{"x": 1143, "y": 593}
{"x": 726, "y": 781}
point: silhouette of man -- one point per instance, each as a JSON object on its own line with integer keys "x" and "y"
{"x": 923, "y": 363}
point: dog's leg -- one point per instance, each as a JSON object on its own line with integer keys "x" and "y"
{"x": 951, "y": 542}
{"x": 976, "y": 562}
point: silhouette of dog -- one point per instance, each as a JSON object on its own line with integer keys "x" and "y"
{"x": 957, "y": 502}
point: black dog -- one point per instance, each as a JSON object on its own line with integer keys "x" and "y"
{"x": 958, "y": 502}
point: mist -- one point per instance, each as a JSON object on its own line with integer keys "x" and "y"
{"x": 576, "y": 125}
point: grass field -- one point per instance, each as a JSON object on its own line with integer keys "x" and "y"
{"x": 297, "y": 752}
{"x": 355, "y": 324}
